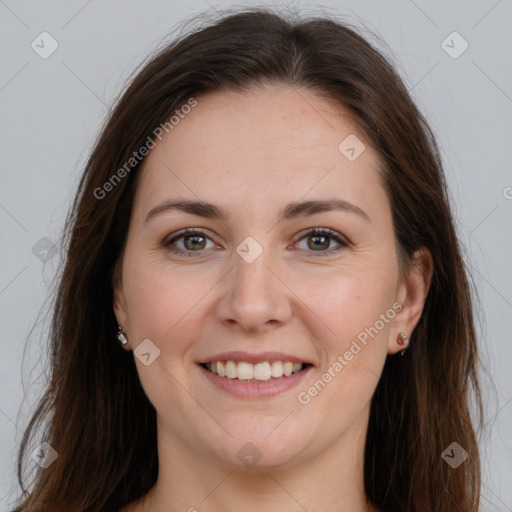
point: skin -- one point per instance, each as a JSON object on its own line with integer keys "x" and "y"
{"x": 251, "y": 154}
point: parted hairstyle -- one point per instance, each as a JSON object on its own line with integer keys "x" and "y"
{"x": 94, "y": 412}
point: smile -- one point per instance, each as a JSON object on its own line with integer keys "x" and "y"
{"x": 260, "y": 380}
{"x": 244, "y": 371}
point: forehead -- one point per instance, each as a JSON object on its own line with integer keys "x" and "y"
{"x": 274, "y": 142}
{"x": 277, "y": 120}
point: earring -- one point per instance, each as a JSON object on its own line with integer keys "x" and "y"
{"x": 402, "y": 340}
{"x": 121, "y": 336}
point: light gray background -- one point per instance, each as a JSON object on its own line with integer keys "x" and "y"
{"x": 52, "y": 109}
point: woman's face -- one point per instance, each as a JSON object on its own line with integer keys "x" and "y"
{"x": 258, "y": 283}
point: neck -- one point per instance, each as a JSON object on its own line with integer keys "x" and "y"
{"x": 189, "y": 481}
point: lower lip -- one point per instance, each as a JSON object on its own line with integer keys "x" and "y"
{"x": 263, "y": 389}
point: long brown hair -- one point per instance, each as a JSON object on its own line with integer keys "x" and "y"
{"x": 97, "y": 416}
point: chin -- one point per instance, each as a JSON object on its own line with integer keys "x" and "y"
{"x": 260, "y": 450}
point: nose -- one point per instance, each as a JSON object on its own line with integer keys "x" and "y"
{"x": 254, "y": 297}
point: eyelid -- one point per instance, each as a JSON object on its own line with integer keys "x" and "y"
{"x": 184, "y": 232}
{"x": 342, "y": 241}
{"x": 325, "y": 231}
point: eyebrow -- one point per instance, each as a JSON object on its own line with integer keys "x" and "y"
{"x": 290, "y": 211}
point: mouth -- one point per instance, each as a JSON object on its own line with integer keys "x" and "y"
{"x": 243, "y": 371}
{"x": 248, "y": 375}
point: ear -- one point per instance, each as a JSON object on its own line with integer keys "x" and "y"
{"x": 119, "y": 300}
{"x": 411, "y": 294}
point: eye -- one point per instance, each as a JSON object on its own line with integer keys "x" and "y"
{"x": 194, "y": 240}
{"x": 321, "y": 238}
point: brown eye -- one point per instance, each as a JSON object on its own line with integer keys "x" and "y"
{"x": 192, "y": 242}
{"x": 188, "y": 241}
{"x": 319, "y": 241}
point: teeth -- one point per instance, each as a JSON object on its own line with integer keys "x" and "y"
{"x": 231, "y": 370}
{"x": 245, "y": 371}
{"x": 260, "y": 371}
{"x": 277, "y": 368}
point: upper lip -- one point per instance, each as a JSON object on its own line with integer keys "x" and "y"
{"x": 248, "y": 357}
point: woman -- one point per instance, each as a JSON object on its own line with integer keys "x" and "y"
{"x": 264, "y": 227}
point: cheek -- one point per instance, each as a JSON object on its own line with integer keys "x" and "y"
{"x": 348, "y": 301}
{"x": 156, "y": 297}
{"x": 354, "y": 346}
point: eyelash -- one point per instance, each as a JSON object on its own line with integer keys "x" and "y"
{"x": 315, "y": 231}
